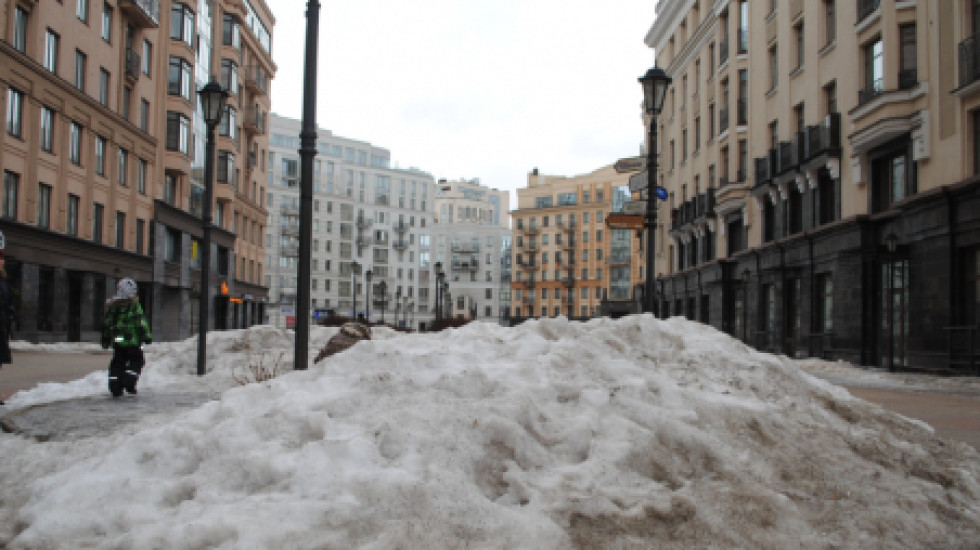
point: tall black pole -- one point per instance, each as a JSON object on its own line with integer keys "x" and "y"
{"x": 307, "y": 151}
{"x": 205, "y": 295}
{"x": 650, "y": 219}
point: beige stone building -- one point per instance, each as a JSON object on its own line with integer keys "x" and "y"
{"x": 103, "y": 159}
{"x": 566, "y": 261}
{"x": 822, "y": 160}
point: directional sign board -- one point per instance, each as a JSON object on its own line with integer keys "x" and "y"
{"x": 638, "y": 182}
{"x": 635, "y": 207}
{"x": 630, "y": 164}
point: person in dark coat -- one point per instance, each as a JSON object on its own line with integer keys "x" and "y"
{"x": 350, "y": 334}
{"x": 6, "y": 314}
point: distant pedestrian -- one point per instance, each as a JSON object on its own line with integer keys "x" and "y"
{"x": 125, "y": 330}
{"x": 6, "y": 312}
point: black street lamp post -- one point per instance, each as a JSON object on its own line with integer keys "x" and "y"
{"x": 447, "y": 312}
{"x": 383, "y": 287}
{"x": 440, "y": 274}
{"x": 655, "y": 83}
{"x": 213, "y": 98}
{"x": 354, "y": 267}
{"x": 367, "y": 294}
{"x": 405, "y": 310}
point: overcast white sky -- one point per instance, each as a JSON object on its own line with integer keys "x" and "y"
{"x": 474, "y": 89}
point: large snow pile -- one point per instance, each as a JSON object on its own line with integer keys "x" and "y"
{"x": 634, "y": 433}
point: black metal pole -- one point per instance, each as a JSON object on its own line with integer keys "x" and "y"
{"x": 367, "y": 298}
{"x": 205, "y": 295}
{"x": 307, "y": 151}
{"x": 650, "y": 219}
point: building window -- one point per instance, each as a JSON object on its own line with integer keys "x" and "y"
{"x": 231, "y": 32}
{"x": 773, "y": 67}
{"x": 229, "y": 76}
{"x": 11, "y": 186}
{"x": 170, "y": 189}
{"x": 226, "y": 167}
{"x": 47, "y": 129}
{"x": 743, "y": 26}
{"x": 798, "y": 34}
{"x": 20, "y": 29}
{"x": 72, "y": 221}
{"x": 75, "y": 143}
{"x": 98, "y": 212}
{"x": 893, "y": 176}
{"x": 144, "y": 115}
{"x": 141, "y": 176}
{"x": 830, "y": 20}
{"x": 830, "y": 97}
{"x": 908, "y": 76}
{"x": 179, "y": 78}
{"x": 181, "y": 23}
{"x": 228, "y": 124}
{"x": 140, "y": 235}
{"x": 120, "y": 230}
{"x": 103, "y": 86}
{"x": 874, "y": 70}
{"x": 81, "y": 62}
{"x": 51, "y": 40}
{"x": 127, "y": 98}
{"x": 81, "y": 10}
{"x": 44, "y": 206}
{"x": 106, "y": 22}
{"x": 147, "y": 59}
{"x": 178, "y": 132}
{"x": 100, "y": 155}
{"x": 123, "y": 167}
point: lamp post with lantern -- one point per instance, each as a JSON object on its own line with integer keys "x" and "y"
{"x": 367, "y": 294}
{"x": 213, "y": 98}
{"x": 655, "y": 83}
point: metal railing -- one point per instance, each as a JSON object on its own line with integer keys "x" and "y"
{"x": 132, "y": 64}
{"x": 256, "y": 79}
{"x": 969, "y": 54}
{"x": 149, "y": 10}
{"x": 866, "y": 8}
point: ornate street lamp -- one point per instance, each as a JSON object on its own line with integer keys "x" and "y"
{"x": 383, "y": 287}
{"x": 655, "y": 84}
{"x": 367, "y": 294}
{"x": 213, "y": 98}
{"x": 354, "y": 268}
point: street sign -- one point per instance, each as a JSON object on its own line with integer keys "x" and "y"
{"x": 638, "y": 182}
{"x": 635, "y": 207}
{"x": 661, "y": 193}
{"x": 630, "y": 164}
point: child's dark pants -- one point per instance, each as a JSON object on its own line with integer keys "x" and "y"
{"x": 124, "y": 369}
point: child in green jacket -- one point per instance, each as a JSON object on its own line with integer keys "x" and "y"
{"x": 126, "y": 330}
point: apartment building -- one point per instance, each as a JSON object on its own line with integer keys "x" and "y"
{"x": 103, "y": 156}
{"x": 470, "y": 238}
{"x": 566, "y": 261}
{"x": 822, "y": 161}
{"x": 367, "y": 217}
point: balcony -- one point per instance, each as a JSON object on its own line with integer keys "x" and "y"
{"x": 145, "y": 13}
{"x": 568, "y": 282}
{"x": 132, "y": 64}
{"x": 254, "y": 121}
{"x": 763, "y": 170}
{"x": 364, "y": 241}
{"x": 531, "y": 229}
{"x": 289, "y": 209}
{"x": 567, "y": 225}
{"x": 463, "y": 246}
{"x": 704, "y": 204}
{"x": 527, "y": 264}
{"x": 290, "y": 228}
{"x": 969, "y": 53}
{"x": 870, "y": 91}
{"x": 466, "y": 265}
{"x": 364, "y": 222}
{"x": 567, "y": 244}
{"x": 400, "y": 245}
{"x": 790, "y": 153}
{"x": 907, "y": 79}
{"x": 823, "y": 138}
{"x": 866, "y": 7}
{"x": 251, "y": 161}
{"x": 291, "y": 250}
{"x": 256, "y": 80}
{"x": 618, "y": 258}
{"x": 400, "y": 227}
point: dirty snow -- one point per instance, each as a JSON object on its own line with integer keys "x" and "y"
{"x": 629, "y": 433}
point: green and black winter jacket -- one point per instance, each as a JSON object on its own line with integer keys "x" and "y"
{"x": 125, "y": 325}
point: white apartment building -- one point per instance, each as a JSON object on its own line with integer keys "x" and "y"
{"x": 471, "y": 238}
{"x": 367, "y": 217}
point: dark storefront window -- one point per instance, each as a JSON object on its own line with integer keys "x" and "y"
{"x": 794, "y": 211}
{"x": 45, "y": 294}
{"x": 893, "y": 322}
{"x": 893, "y": 175}
{"x": 825, "y": 303}
{"x": 736, "y": 234}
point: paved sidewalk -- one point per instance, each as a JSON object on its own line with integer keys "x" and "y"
{"x": 31, "y": 368}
